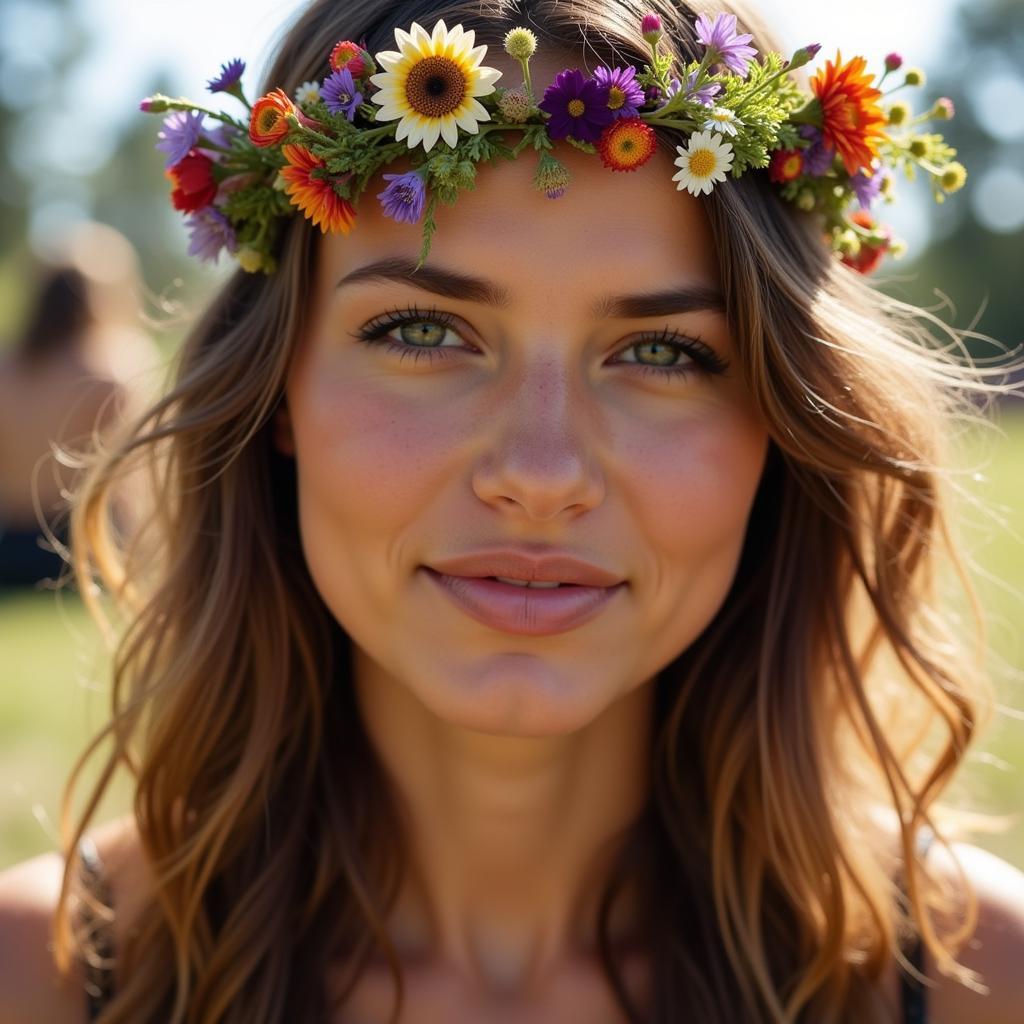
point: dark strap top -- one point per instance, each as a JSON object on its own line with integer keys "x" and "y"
{"x": 914, "y": 994}
{"x": 99, "y": 985}
{"x": 99, "y": 977}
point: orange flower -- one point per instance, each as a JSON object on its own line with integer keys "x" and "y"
{"x": 852, "y": 120}
{"x": 315, "y": 197}
{"x": 626, "y": 144}
{"x": 269, "y": 121}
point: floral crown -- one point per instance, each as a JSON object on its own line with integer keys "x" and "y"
{"x": 436, "y": 103}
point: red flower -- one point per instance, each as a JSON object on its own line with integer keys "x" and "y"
{"x": 268, "y": 123}
{"x": 348, "y": 55}
{"x": 315, "y": 197}
{"x": 852, "y": 120}
{"x": 867, "y": 260}
{"x": 786, "y": 165}
{"x": 193, "y": 182}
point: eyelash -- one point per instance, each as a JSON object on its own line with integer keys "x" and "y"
{"x": 704, "y": 358}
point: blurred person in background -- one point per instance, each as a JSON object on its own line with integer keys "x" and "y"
{"x": 73, "y": 374}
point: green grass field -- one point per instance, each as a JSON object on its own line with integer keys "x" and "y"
{"x": 54, "y": 695}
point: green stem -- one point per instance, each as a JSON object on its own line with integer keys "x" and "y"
{"x": 525, "y": 62}
{"x": 928, "y": 166}
{"x": 217, "y": 115}
{"x": 669, "y": 122}
{"x": 746, "y": 97}
{"x": 316, "y": 136}
{"x": 701, "y": 73}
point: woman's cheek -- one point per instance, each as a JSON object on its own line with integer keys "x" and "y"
{"x": 367, "y": 447}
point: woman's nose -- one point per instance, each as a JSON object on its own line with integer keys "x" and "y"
{"x": 543, "y": 443}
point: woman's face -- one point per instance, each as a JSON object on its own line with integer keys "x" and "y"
{"x": 541, "y": 420}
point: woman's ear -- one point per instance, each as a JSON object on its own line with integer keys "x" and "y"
{"x": 284, "y": 439}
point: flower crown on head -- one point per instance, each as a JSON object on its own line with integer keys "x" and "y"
{"x": 434, "y": 102}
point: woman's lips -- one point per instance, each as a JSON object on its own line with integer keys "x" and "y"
{"x": 528, "y": 611}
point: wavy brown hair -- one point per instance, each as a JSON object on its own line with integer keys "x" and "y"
{"x": 769, "y": 887}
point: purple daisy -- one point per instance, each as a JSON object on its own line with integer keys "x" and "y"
{"x": 818, "y": 156}
{"x": 867, "y": 189}
{"x": 211, "y": 233}
{"x": 724, "y": 43}
{"x": 578, "y": 106}
{"x": 229, "y": 75}
{"x": 340, "y": 95}
{"x": 625, "y": 97}
{"x": 179, "y": 134}
{"x": 403, "y": 198}
{"x": 705, "y": 94}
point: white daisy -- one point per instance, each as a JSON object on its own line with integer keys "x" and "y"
{"x": 702, "y": 163}
{"x": 430, "y": 83}
{"x": 721, "y": 119}
{"x": 308, "y": 92}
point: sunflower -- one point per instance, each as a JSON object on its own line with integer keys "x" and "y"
{"x": 430, "y": 83}
{"x": 314, "y": 196}
{"x": 852, "y": 120}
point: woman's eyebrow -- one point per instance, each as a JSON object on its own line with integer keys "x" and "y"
{"x": 686, "y": 298}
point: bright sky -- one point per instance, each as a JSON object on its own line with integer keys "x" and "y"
{"x": 190, "y": 39}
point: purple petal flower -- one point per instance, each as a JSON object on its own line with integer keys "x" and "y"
{"x": 211, "y": 233}
{"x": 578, "y": 106}
{"x": 867, "y": 189}
{"x": 625, "y": 97}
{"x": 727, "y": 46}
{"x": 221, "y": 136}
{"x": 340, "y": 95}
{"x": 403, "y": 198}
{"x": 818, "y": 156}
{"x": 179, "y": 134}
{"x": 229, "y": 75}
{"x": 705, "y": 94}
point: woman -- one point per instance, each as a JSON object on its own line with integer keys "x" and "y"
{"x": 76, "y": 369}
{"x": 363, "y": 776}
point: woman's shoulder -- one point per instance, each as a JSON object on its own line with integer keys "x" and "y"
{"x": 995, "y": 950}
{"x": 30, "y": 987}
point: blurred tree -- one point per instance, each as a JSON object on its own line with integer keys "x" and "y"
{"x": 54, "y": 171}
{"x": 977, "y": 255}
{"x": 40, "y": 42}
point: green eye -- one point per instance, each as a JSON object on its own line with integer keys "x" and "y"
{"x": 423, "y": 332}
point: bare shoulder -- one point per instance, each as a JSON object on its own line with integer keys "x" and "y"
{"x": 996, "y": 949}
{"x": 30, "y": 987}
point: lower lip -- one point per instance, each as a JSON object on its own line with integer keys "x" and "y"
{"x": 528, "y": 611}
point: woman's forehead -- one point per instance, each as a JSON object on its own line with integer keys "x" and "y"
{"x": 609, "y": 232}
{"x": 634, "y": 227}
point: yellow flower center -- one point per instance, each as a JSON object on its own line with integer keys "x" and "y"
{"x": 722, "y": 115}
{"x": 576, "y": 108}
{"x": 616, "y": 97}
{"x": 702, "y": 163}
{"x": 435, "y": 86}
